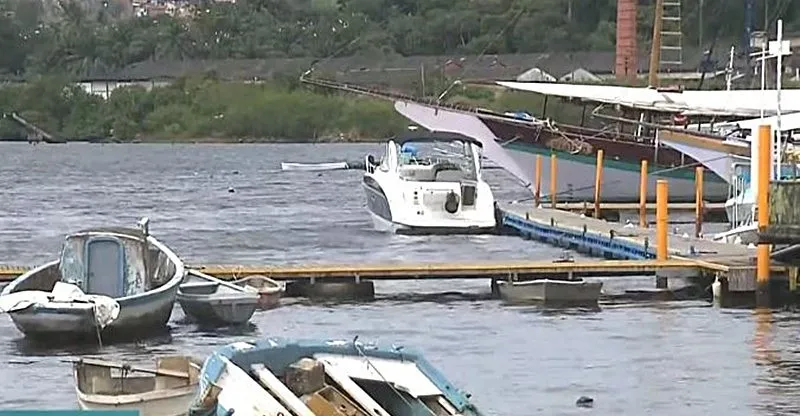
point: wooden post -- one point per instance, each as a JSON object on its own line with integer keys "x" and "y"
{"x": 598, "y": 182}
{"x": 643, "y": 195}
{"x": 698, "y": 201}
{"x": 764, "y": 174}
{"x": 662, "y": 218}
{"x": 537, "y": 192}
{"x": 553, "y": 175}
{"x": 655, "y": 48}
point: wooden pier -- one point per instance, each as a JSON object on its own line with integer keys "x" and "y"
{"x": 481, "y": 270}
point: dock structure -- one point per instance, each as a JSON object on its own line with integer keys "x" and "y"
{"x": 596, "y": 237}
{"x": 479, "y": 270}
{"x": 712, "y": 211}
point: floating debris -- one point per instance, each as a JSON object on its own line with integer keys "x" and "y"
{"x": 584, "y": 401}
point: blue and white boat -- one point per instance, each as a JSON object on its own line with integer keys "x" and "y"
{"x": 112, "y": 280}
{"x": 275, "y": 376}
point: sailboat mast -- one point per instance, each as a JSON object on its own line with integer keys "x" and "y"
{"x": 655, "y": 48}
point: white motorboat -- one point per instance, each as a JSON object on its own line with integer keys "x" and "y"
{"x": 429, "y": 183}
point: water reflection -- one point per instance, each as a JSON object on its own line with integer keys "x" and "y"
{"x": 779, "y": 381}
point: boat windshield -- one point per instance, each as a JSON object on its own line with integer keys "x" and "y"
{"x": 448, "y": 160}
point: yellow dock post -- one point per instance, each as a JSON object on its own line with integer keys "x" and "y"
{"x": 764, "y": 174}
{"x": 553, "y": 175}
{"x": 598, "y": 182}
{"x": 537, "y": 192}
{"x": 698, "y": 200}
{"x": 662, "y": 217}
{"x": 643, "y": 195}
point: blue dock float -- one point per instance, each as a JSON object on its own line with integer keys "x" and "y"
{"x": 599, "y": 238}
{"x": 583, "y": 240}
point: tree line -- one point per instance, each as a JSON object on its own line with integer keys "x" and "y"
{"x": 70, "y": 37}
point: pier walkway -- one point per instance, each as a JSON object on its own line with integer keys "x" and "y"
{"x": 630, "y": 242}
{"x": 628, "y": 250}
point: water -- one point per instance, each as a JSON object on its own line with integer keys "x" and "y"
{"x": 656, "y": 359}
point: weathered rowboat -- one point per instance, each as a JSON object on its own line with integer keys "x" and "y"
{"x": 269, "y": 291}
{"x": 167, "y": 390}
{"x": 211, "y": 301}
{"x": 318, "y": 378}
{"x": 107, "y": 281}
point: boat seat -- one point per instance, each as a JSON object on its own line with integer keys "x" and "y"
{"x": 199, "y": 288}
{"x": 418, "y": 172}
{"x": 449, "y": 175}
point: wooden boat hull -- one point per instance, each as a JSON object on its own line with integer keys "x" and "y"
{"x": 207, "y": 300}
{"x": 275, "y": 376}
{"x": 269, "y": 291}
{"x": 175, "y": 405}
{"x": 218, "y": 311}
{"x": 547, "y": 290}
{"x": 138, "y": 272}
{"x": 141, "y": 314}
{"x": 168, "y": 390}
{"x": 621, "y": 168}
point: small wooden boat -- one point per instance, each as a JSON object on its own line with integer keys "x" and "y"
{"x": 549, "y": 290}
{"x": 269, "y": 291}
{"x": 211, "y": 301}
{"x": 277, "y": 376}
{"x": 111, "y": 280}
{"x": 167, "y": 390}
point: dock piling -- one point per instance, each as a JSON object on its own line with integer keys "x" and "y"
{"x": 662, "y": 219}
{"x": 537, "y": 193}
{"x": 643, "y": 195}
{"x": 553, "y": 175}
{"x": 764, "y": 174}
{"x": 598, "y": 182}
{"x": 698, "y": 200}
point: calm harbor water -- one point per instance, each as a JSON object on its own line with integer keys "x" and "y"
{"x": 656, "y": 359}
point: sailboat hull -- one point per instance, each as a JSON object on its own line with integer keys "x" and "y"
{"x": 576, "y": 173}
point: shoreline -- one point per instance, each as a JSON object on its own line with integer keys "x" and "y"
{"x": 209, "y": 140}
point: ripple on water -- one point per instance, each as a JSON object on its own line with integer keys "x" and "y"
{"x": 655, "y": 359}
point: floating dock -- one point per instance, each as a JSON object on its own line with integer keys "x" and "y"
{"x": 712, "y": 211}
{"x": 734, "y": 262}
{"x": 627, "y": 250}
{"x": 510, "y": 269}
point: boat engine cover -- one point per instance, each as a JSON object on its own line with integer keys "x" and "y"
{"x": 451, "y": 203}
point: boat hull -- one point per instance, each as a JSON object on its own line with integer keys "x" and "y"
{"x": 144, "y": 314}
{"x": 546, "y": 290}
{"x": 385, "y": 218}
{"x": 576, "y": 176}
{"x": 176, "y": 404}
{"x": 234, "y": 311}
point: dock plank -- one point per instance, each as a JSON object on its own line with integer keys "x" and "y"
{"x": 481, "y": 270}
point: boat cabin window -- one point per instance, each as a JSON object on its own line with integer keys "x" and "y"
{"x": 436, "y": 161}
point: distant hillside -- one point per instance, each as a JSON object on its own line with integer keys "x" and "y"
{"x": 86, "y": 36}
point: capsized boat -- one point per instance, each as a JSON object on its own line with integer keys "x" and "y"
{"x": 167, "y": 390}
{"x": 429, "y": 183}
{"x": 115, "y": 280}
{"x": 269, "y": 291}
{"x": 211, "y": 301}
{"x": 276, "y": 376}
